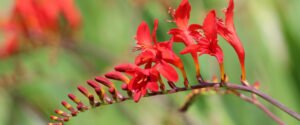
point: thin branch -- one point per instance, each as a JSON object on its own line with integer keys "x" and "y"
{"x": 259, "y": 105}
{"x": 238, "y": 87}
{"x": 265, "y": 97}
{"x": 189, "y": 100}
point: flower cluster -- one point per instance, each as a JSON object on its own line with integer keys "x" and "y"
{"x": 36, "y": 21}
{"x": 157, "y": 61}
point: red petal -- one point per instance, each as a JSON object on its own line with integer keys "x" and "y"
{"x": 153, "y": 86}
{"x": 182, "y": 14}
{"x": 167, "y": 71}
{"x": 219, "y": 54}
{"x": 144, "y": 57}
{"x": 229, "y": 22}
{"x": 190, "y": 49}
{"x": 143, "y": 35}
{"x": 155, "y": 30}
{"x": 210, "y": 26}
{"x": 137, "y": 96}
{"x": 177, "y": 34}
{"x": 194, "y": 27}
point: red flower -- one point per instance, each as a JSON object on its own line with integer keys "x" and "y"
{"x": 209, "y": 43}
{"x": 160, "y": 53}
{"x": 186, "y": 33}
{"x": 228, "y": 32}
{"x": 141, "y": 81}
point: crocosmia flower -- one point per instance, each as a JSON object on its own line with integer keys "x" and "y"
{"x": 228, "y": 32}
{"x": 141, "y": 79}
{"x": 209, "y": 43}
{"x": 160, "y": 53}
{"x": 184, "y": 32}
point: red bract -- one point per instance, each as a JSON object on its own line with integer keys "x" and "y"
{"x": 209, "y": 43}
{"x": 186, "y": 33}
{"x": 228, "y": 32}
{"x": 160, "y": 53}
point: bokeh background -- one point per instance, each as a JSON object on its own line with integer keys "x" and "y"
{"x": 34, "y": 83}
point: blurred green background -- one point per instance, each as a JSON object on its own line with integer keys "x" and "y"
{"x": 33, "y": 84}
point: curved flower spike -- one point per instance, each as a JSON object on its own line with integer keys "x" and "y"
{"x": 209, "y": 43}
{"x": 186, "y": 33}
{"x": 228, "y": 32}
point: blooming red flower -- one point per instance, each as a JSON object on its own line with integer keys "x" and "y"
{"x": 209, "y": 43}
{"x": 184, "y": 32}
{"x": 141, "y": 81}
{"x": 228, "y": 32}
{"x": 160, "y": 53}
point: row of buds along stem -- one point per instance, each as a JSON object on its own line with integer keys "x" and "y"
{"x": 136, "y": 83}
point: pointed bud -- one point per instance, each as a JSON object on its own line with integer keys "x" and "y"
{"x": 75, "y": 99}
{"x": 80, "y": 105}
{"x": 93, "y": 84}
{"x": 117, "y": 76}
{"x": 87, "y": 94}
{"x": 62, "y": 113}
{"x": 124, "y": 86}
{"x": 104, "y": 81}
{"x": 55, "y": 118}
{"x": 70, "y": 108}
{"x": 125, "y": 67}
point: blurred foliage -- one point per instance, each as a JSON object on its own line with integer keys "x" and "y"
{"x": 34, "y": 83}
